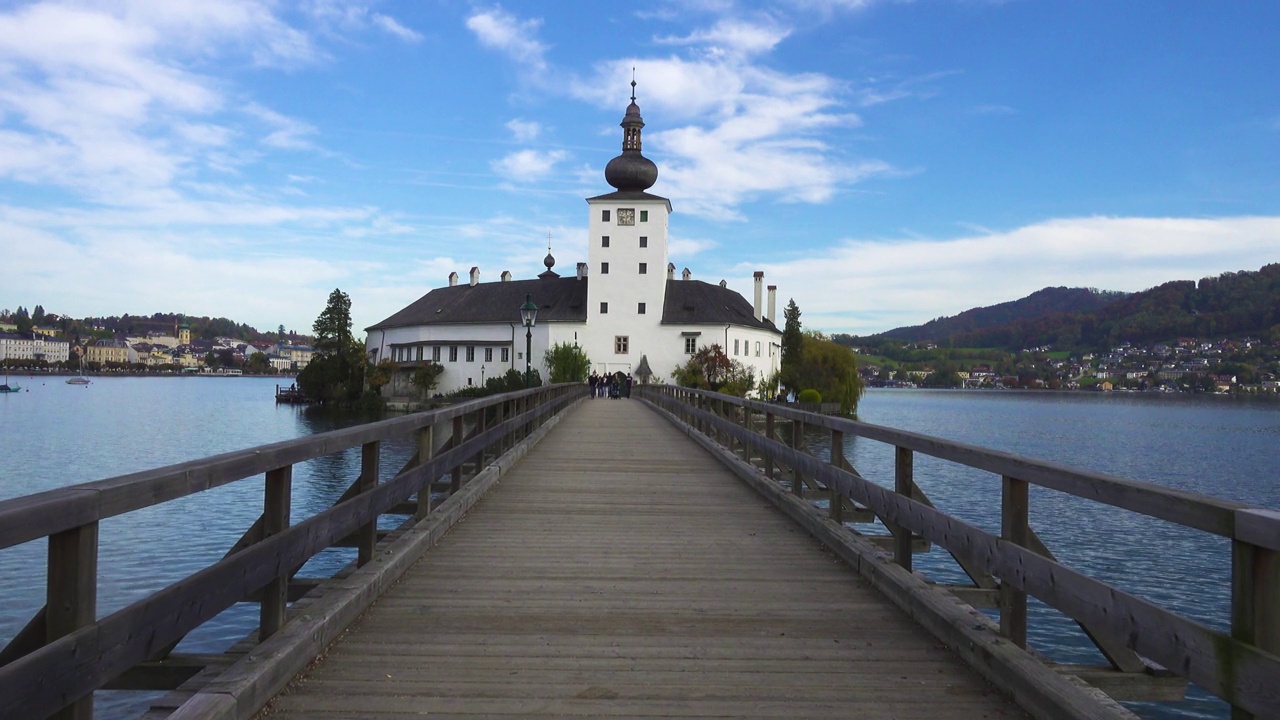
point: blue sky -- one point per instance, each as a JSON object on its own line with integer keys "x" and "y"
{"x": 885, "y": 162}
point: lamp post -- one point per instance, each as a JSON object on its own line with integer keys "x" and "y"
{"x": 482, "y": 375}
{"x": 528, "y": 316}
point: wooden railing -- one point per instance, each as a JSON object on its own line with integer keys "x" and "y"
{"x": 52, "y": 667}
{"x": 1241, "y": 667}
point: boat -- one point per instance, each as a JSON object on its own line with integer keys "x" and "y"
{"x": 6, "y": 387}
{"x": 79, "y": 379}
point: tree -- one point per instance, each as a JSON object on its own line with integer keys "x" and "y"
{"x": 258, "y": 363}
{"x": 566, "y": 363}
{"x": 792, "y": 346}
{"x": 831, "y": 369}
{"x": 426, "y": 377}
{"x": 23, "y": 320}
{"x": 711, "y": 369}
{"x": 37, "y": 315}
{"x": 336, "y": 371}
{"x": 333, "y": 328}
{"x": 381, "y": 374}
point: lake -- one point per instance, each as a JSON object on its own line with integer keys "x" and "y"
{"x": 60, "y": 434}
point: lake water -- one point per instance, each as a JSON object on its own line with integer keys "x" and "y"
{"x": 60, "y": 434}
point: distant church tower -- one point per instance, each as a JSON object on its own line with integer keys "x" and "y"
{"x": 627, "y": 253}
{"x": 184, "y": 331}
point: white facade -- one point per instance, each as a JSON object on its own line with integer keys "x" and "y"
{"x": 33, "y": 347}
{"x": 622, "y": 305}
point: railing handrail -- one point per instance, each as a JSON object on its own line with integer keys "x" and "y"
{"x": 66, "y": 652}
{"x": 1194, "y": 510}
{"x": 1241, "y": 666}
{"x": 31, "y": 517}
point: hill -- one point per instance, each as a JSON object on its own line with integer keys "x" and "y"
{"x": 1042, "y": 303}
{"x": 1232, "y": 304}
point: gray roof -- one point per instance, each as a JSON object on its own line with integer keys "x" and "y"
{"x": 694, "y": 302}
{"x": 688, "y": 302}
{"x": 558, "y": 300}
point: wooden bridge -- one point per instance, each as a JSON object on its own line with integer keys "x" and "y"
{"x": 680, "y": 554}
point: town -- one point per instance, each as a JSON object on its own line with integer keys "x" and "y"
{"x": 1243, "y": 365}
{"x": 46, "y": 347}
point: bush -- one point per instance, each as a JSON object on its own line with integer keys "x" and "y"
{"x": 809, "y": 396}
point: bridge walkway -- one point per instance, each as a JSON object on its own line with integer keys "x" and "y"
{"x": 620, "y": 570}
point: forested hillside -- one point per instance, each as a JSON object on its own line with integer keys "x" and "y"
{"x": 1042, "y": 303}
{"x": 1232, "y": 304}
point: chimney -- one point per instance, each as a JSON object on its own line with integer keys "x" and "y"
{"x": 773, "y": 304}
{"x": 506, "y": 276}
{"x": 759, "y": 288}
{"x": 685, "y": 274}
{"x": 582, "y": 270}
{"x": 453, "y": 279}
{"x": 475, "y": 276}
{"x": 671, "y": 271}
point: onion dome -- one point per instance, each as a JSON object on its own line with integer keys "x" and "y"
{"x": 631, "y": 170}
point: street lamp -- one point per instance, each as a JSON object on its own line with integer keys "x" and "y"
{"x": 528, "y": 316}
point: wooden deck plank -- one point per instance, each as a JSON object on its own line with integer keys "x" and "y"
{"x": 620, "y": 571}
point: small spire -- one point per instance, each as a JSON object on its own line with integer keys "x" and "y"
{"x": 548, "y": 242}
{"x": 633, "y": 83}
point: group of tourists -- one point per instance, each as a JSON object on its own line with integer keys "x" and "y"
{"x": 613, "y": 385}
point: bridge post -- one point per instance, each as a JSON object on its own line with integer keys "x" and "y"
{"x": 903, "y": 479}
{"x": 1255, "y": 600}
{"x": 455, "y": 482}
{"x": 746, "y": 425}
{"x": 368, "y": 534}
{"x": 275, "y": 519}
{"x": 426, "y": 437}
{"x": 1014, "y": 510}
{"x": 835, "y": 499}
{"x": 797, "y": 440}
{"x": 769, "y": 433}
{"x": 72, "y": 595}
{"x": 480, "y": 426}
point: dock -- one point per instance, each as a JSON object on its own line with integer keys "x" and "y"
{"x": 677, "y": 554}
{"x": 620, "y": 570}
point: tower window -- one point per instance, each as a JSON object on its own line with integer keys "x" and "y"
{"x": 604, "y": 268}
{"x": 604, "y": 241}
{"x": 604, "y": 215}
{"x": 604, "y": 308}
{"x": 644, "y": 241}
{"x": 640, "y": 309}
{"x": 488, "y": 354}
{"x": 453, "y": 353}
{"x": 644, "y": 268}
{"x": 506, "y": 354}
{"x": 644, "y": 216}
{"x": 690, "y": 345}
{"x": 757, "y": 348}
{"x": 621, "y": 344}
{"x": 735, "y": 346}
{"x": 435, "y": 353}
{"x": 471, "y": 353}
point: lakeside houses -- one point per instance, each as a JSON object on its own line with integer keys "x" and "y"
{"x": 36, "y": 346}
{"x": 1186, "y": 365}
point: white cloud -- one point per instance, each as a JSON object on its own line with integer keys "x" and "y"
{"x": 524, "y": 130}
{"x": 733, "y": 37}
{"x": 286, "y": 133}
{"x": 355, "y": 16}
{"x": 867, "y": 286}
{"x": 528, "y": 165}
{"x": 749, "y": 132}
{"x": 390, "y": 25}
{"x": 516, "y": 38}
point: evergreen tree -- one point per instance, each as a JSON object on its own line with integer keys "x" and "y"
{"x": 333, "y": 327}
{"x": 792, "y": 346}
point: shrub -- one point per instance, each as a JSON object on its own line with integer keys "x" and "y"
{"x": 809, "y": 396}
